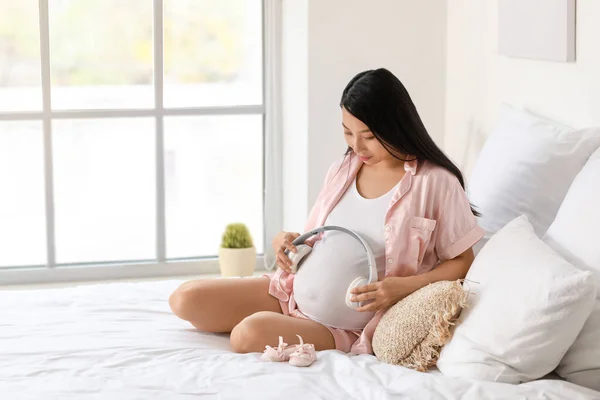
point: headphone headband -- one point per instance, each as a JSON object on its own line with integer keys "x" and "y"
{"x": 370, "y": 257}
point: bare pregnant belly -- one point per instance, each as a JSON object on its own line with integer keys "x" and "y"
{"x": 323, "y": 278}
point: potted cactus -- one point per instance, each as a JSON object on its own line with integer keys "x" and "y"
{"x": 237, "y": 255}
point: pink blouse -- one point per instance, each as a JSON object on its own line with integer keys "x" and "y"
{"x": 428, "y": 221}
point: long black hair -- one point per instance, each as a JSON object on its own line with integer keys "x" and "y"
{"x": 380, "y": 101}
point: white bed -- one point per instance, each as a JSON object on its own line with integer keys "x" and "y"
{"x": 119, "y": 341}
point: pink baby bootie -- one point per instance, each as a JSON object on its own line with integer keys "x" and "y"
{"x": 304, "y": 355}
{"x": 280, "y": 353}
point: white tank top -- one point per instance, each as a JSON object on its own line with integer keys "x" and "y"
{"x": 323, "y": 278}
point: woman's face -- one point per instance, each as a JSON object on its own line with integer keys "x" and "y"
{"x": 360, "y": 138}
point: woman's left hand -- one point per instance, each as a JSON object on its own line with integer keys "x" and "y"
{"x": 383, "y": 294}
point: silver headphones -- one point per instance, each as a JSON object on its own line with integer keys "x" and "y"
{"x": 304, "y": 249}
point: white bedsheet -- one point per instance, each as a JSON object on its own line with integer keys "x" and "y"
{"x": 119, "y": 341}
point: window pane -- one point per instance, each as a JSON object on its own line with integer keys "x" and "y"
{"x": 213, "y": 52}
{"x": 101, "y": 54}
{"x": 104, "y": 175}
{"x": 22, "y": 209}
{"x": 213, "y": 176}
{"x": 20, "y": 68}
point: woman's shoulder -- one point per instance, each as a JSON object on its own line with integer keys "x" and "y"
{"x": 341, "y": 164}
{"x": 439, "y": 190}
{"x": 436, "y": 177}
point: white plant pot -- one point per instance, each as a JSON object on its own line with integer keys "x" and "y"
{"x": 237, "y": 262}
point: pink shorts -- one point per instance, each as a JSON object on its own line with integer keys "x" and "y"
{"x": 343, "y": 339}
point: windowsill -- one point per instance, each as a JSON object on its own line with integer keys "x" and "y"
{"x": 58, "y": 285}
{"x": 12, "y": 279}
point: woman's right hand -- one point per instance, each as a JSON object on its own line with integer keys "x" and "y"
{"x": 281, "y": 242}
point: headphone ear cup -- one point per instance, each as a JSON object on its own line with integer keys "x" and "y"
{"x": 297, "y": 257}
{"x": 358, "y": 282}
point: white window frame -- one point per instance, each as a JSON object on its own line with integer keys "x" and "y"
{"x": 160, "y": 267}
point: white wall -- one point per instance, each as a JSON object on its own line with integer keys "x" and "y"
{"x": 325, "y": 43}
{"x": 294, "y": 95}
{"x": 478, "y": 79}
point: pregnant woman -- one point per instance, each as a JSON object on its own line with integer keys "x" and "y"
{"x": 398, "y": 191}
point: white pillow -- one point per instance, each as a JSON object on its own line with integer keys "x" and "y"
{"x": 524, "y": 313}
{"x": 574, "y": 234}
{"x": 526, "y": 167}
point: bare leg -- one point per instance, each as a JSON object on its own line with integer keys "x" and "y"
{"x": 264, "y": 328}
{"x": 217, "y": 305}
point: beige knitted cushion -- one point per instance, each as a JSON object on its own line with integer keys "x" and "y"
{"x": 412, "y": 332}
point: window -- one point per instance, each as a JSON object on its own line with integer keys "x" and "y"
{"x": 130, "y": 131}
